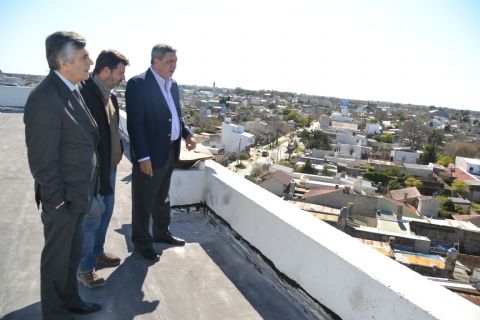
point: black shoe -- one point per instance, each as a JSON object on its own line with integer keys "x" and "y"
{"x": 149, "y": 254}
{"x": 170, "y": 239}
{"x": 85, "y": 308}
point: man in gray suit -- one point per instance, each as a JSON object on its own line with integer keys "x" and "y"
{"x": 61, "y": 138}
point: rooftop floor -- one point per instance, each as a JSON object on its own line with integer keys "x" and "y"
{"x": 212, "y": 277}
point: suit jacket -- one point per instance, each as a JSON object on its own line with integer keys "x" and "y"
{"x": 61, "y": 138}
{"x": 149, "y": 121}
{"x": 94, "y": 99}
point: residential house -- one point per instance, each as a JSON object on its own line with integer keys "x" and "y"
{"x": 373, "y": 128}
{"x": 428, "y": 206}
{"x": 279, "y": 183}
{"x": 409, "y": 195}
{"x": 404, "y": 156}
{"x": 234, "y": 137}
{"x": 469, "y": 165}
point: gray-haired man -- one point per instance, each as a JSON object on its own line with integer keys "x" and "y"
{"x": 62, "y": 138}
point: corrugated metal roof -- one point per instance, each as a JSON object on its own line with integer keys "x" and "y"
{"x": 424, "y": 260}
{"x": 382, "y": 247}
{"x": 465, "y": 225}
{"x": 391, "y": 233}
{"x": 472, "y": 218}
{"x": 326, "y": 217}
{"x": 316, "y": 208}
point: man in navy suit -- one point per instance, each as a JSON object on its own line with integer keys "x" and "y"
{"x": 155, "y": 127}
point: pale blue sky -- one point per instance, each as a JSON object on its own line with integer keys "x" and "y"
{"x": 421, "y": 51}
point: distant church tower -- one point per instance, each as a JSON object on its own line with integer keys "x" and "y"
{"x": 214, "y": 88}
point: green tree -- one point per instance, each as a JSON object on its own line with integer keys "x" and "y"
{"x": 308, "y": 168}
{"x": 388, "y": 138}
{"x": 292, "y": 116}
{"x": 286, "y": 163}
{"x": 242, "y": 156}
{"x": 460, "y": 187}
{"x": 436, "y": 136}
{"x": 412, "y": 182}
{"x": 393, "y": 185}
{"x": 429, "y": 153}
{"x": 444, "y": 161}
{"x": 377, "y": 177}
{"x": 447, "y": 204}
{"x": 302, "y": 121}
{"x": 240, "y": 166}
{"x": 392, "y": 172}
{"x": 446, "y": 208}
{"x": 413, "y": 132}
{"x": 325, "y": 171}
{"x": 315, "y": 139}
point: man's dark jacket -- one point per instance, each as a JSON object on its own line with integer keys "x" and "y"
{"x": 94, "y": 99}
{"x": 149, "y": 121}
{"x": 61, "y": 140}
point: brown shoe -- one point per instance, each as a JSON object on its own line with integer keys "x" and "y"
{"x": 107, "y": 260}
{"x": 90, "y": 279}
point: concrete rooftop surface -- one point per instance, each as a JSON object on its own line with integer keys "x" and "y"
{"x": 212, "y": 277}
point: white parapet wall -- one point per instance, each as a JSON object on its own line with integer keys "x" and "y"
{"x": 343, "y": 274}
{"x": 346, "y": 276}
{"x": 12, "y": 96}
{"x": 188, "y": 186}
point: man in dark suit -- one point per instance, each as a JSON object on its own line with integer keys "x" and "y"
{"x": 61, "y": 138}
{"x": 109, "y": 72}
{"x": 155, "y": 127}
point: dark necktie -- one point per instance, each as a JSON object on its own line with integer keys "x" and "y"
{"x": 77, "y": 95}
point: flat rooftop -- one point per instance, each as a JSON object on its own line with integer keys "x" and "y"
{"x": 213, "y": 277}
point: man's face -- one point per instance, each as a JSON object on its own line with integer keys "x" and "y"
{"x": 166, "y": 67}
{"x": 77, "y": 70}
{"x": 116, "y": 76}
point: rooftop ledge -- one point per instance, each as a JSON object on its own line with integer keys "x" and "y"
{"x": 339, "y": 272}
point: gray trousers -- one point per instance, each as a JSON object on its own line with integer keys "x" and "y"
{"x": 59, "y": 260}
{"x": 150, "y": 199}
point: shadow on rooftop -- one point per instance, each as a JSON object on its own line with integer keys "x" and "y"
{"x": 33, "y": 311}
{"x": 123, "y": 296}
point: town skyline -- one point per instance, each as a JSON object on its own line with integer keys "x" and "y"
{"x": 409, "y": 53}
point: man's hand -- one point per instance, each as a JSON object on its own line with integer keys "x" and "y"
{"x": 190, "y": 143}
{"x": 146, "y": 167}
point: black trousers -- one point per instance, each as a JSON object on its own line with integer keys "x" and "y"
{"x": 150, "y": 199}
{"x": 59, "y": 261}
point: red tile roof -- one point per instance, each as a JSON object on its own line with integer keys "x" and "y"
{"x": 457, "y": 174}
{"x": 280, "y": 176}
{"x": 411, "y": 192}
{"x": 319, "y": 192}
